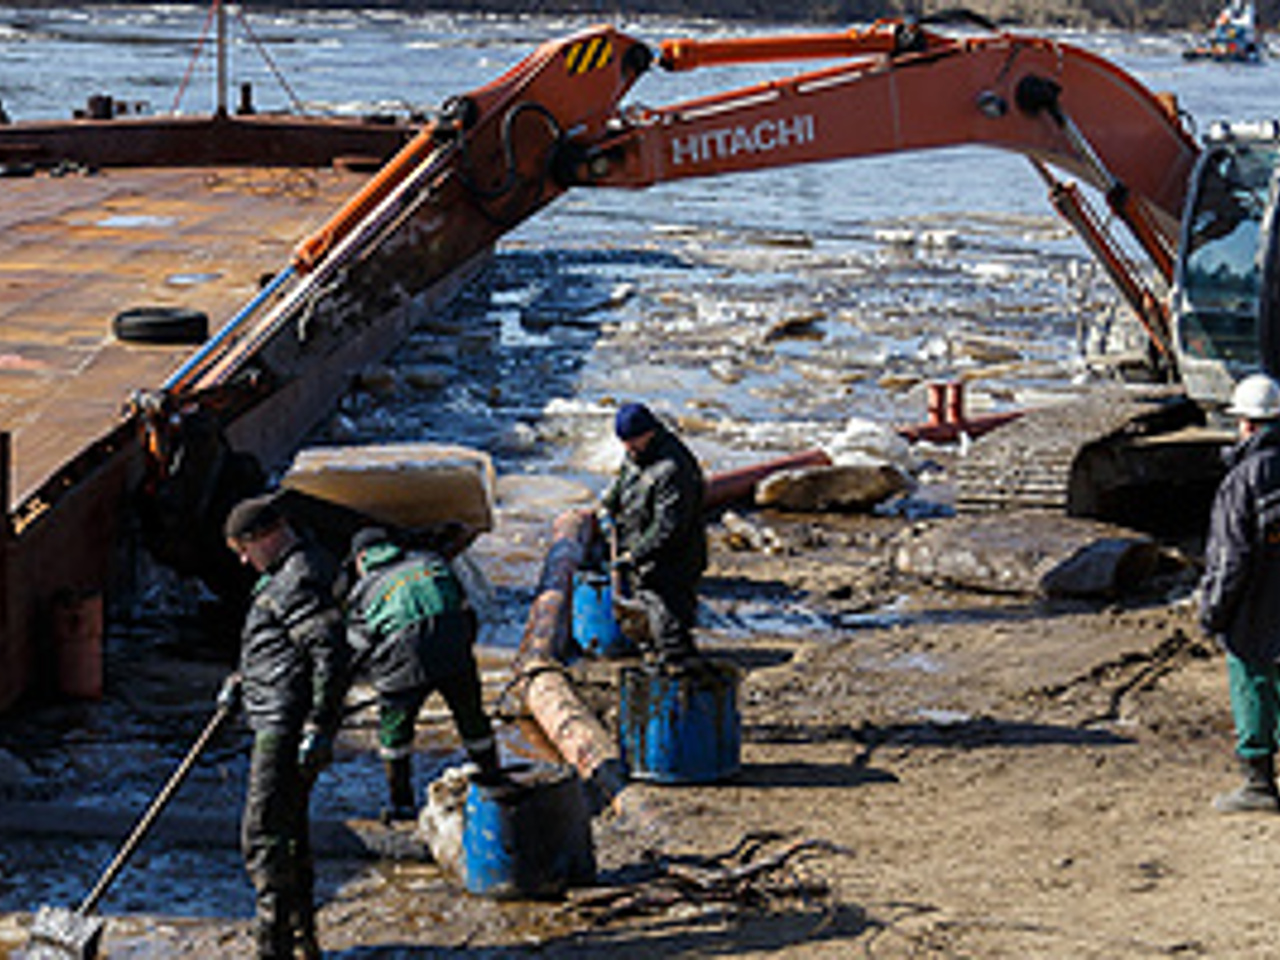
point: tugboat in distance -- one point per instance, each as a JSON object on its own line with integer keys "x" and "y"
{"x": 1235, "y": 37}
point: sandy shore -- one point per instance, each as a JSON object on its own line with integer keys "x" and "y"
{"x": 932, "y": 772}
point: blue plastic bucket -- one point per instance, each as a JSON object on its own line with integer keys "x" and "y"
{"x": 529, "y": 836}
{"x": 681, "y": 727}
{"x": 595, "y": 630}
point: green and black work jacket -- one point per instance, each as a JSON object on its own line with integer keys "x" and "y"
{"x": 408, "y": 620}
{"x": 656, "y": 503}
{"x": 293, "y": 654}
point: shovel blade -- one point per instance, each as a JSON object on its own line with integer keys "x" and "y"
{"x": 58, "y": 933}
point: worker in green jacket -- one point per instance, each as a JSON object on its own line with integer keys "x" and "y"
{"x": 655, "y": 505}
{"x": 412, "y": 628}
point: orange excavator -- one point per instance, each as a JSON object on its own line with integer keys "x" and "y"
{"x": 1201, "y": 212}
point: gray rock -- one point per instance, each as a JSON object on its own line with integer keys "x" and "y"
{"x": 441, "y": 820}
{"x": 1030, "y": 552}
{"x": 743, "y": 535}
{"x": 842, "y": 487}
{"x": 425, "y": 377}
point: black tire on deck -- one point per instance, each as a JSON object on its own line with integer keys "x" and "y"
{"x": 161, "y": 325}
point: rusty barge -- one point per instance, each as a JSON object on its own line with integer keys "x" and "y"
{"x": 181, "y": 217}
{"x": 310, "y": 246}
{"x": 243, "y": 219}
{"x": 185, "y": 217}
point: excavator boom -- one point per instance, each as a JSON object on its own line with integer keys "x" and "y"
{"x": 911, "y": 89}
{"x": 899, "y": 87}
{"x": 556, "y": 121}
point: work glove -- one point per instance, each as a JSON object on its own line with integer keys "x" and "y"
{"x": 315, "y": 752}
{"x": 229, "y": 694}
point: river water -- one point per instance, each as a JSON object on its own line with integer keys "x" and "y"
{"x": 899, "y": 270}
{"x": 910, "y": 267}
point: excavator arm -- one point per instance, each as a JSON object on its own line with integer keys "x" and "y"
{"x": 906, "y": 90}
{"x": 900, "y": 88}
{"x": 555, "y": 121}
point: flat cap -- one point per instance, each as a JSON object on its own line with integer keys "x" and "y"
{"x": 253, "y": 516}
{"x": 367, "y": 537}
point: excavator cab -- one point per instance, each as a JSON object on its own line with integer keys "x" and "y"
{"x": 1224, "y": 299}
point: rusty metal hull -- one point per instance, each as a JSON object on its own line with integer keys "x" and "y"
{"x": 221, "y": 204}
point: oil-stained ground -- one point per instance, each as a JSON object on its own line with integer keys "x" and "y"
{"x": 925, "y": 773}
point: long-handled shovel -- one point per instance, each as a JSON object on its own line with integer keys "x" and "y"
{"x": 632, "y": 617}
{"x": 58, "y": 932}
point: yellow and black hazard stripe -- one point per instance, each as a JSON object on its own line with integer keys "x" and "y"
{"x": 593, "y": 54}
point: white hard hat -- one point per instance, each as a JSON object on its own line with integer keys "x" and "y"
{"x": 1256, "y": 397}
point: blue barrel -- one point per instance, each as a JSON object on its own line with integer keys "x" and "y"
{"x": 681, "y": 726}
{"x": 529, "y": 836}
{"x": 595, "y": 630}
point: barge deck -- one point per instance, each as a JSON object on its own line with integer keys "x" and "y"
{"x": 76, "y": 252}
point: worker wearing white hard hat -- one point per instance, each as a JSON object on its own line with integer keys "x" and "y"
{"x": 1256, "y": 399}
{"x": 1240, "y": 590}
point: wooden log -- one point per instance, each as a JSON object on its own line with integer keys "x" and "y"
{"x": 542, "y": 686}
{"x": 575, "y": 730}
{"x": 546, "y": 633}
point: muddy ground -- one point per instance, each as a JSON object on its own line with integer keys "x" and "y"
{"x": 966, "y": 775}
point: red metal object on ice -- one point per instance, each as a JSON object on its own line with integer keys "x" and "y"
{"x": 947, "y": 420}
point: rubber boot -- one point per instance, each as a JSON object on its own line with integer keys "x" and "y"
{"x": 1257, "y": 794}
{"x": 272, "y": 936}
{"x": 400, "y": 790}
{"x": 486, "y": 759}
{"x": 306, "y": 942}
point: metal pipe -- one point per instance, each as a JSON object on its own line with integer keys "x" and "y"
{"x": 1121, "y": 200}
{"x": 725, "y": 488}
{"x": 222, "y": 57}
{"x": 184, "y": 372}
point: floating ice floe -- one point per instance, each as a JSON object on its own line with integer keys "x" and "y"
{"x": 940, "y": 239}
{"x": 896, "y": 238}
{"x": 865, "y": 442}
{"x": 989, "y": 270}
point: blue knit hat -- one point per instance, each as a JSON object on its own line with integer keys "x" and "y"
{"x": 632, "y": 420}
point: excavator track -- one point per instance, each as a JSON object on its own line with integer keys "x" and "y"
{"x": 1141, "y": 459}
{"x": 1027, "y": 464}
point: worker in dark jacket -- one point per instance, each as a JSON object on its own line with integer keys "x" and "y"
{"x": 655, "y": 505}
{"x": 292, "y": 675}
{"x": 409, "y": 622}
{"x": 1240, "y": 591}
